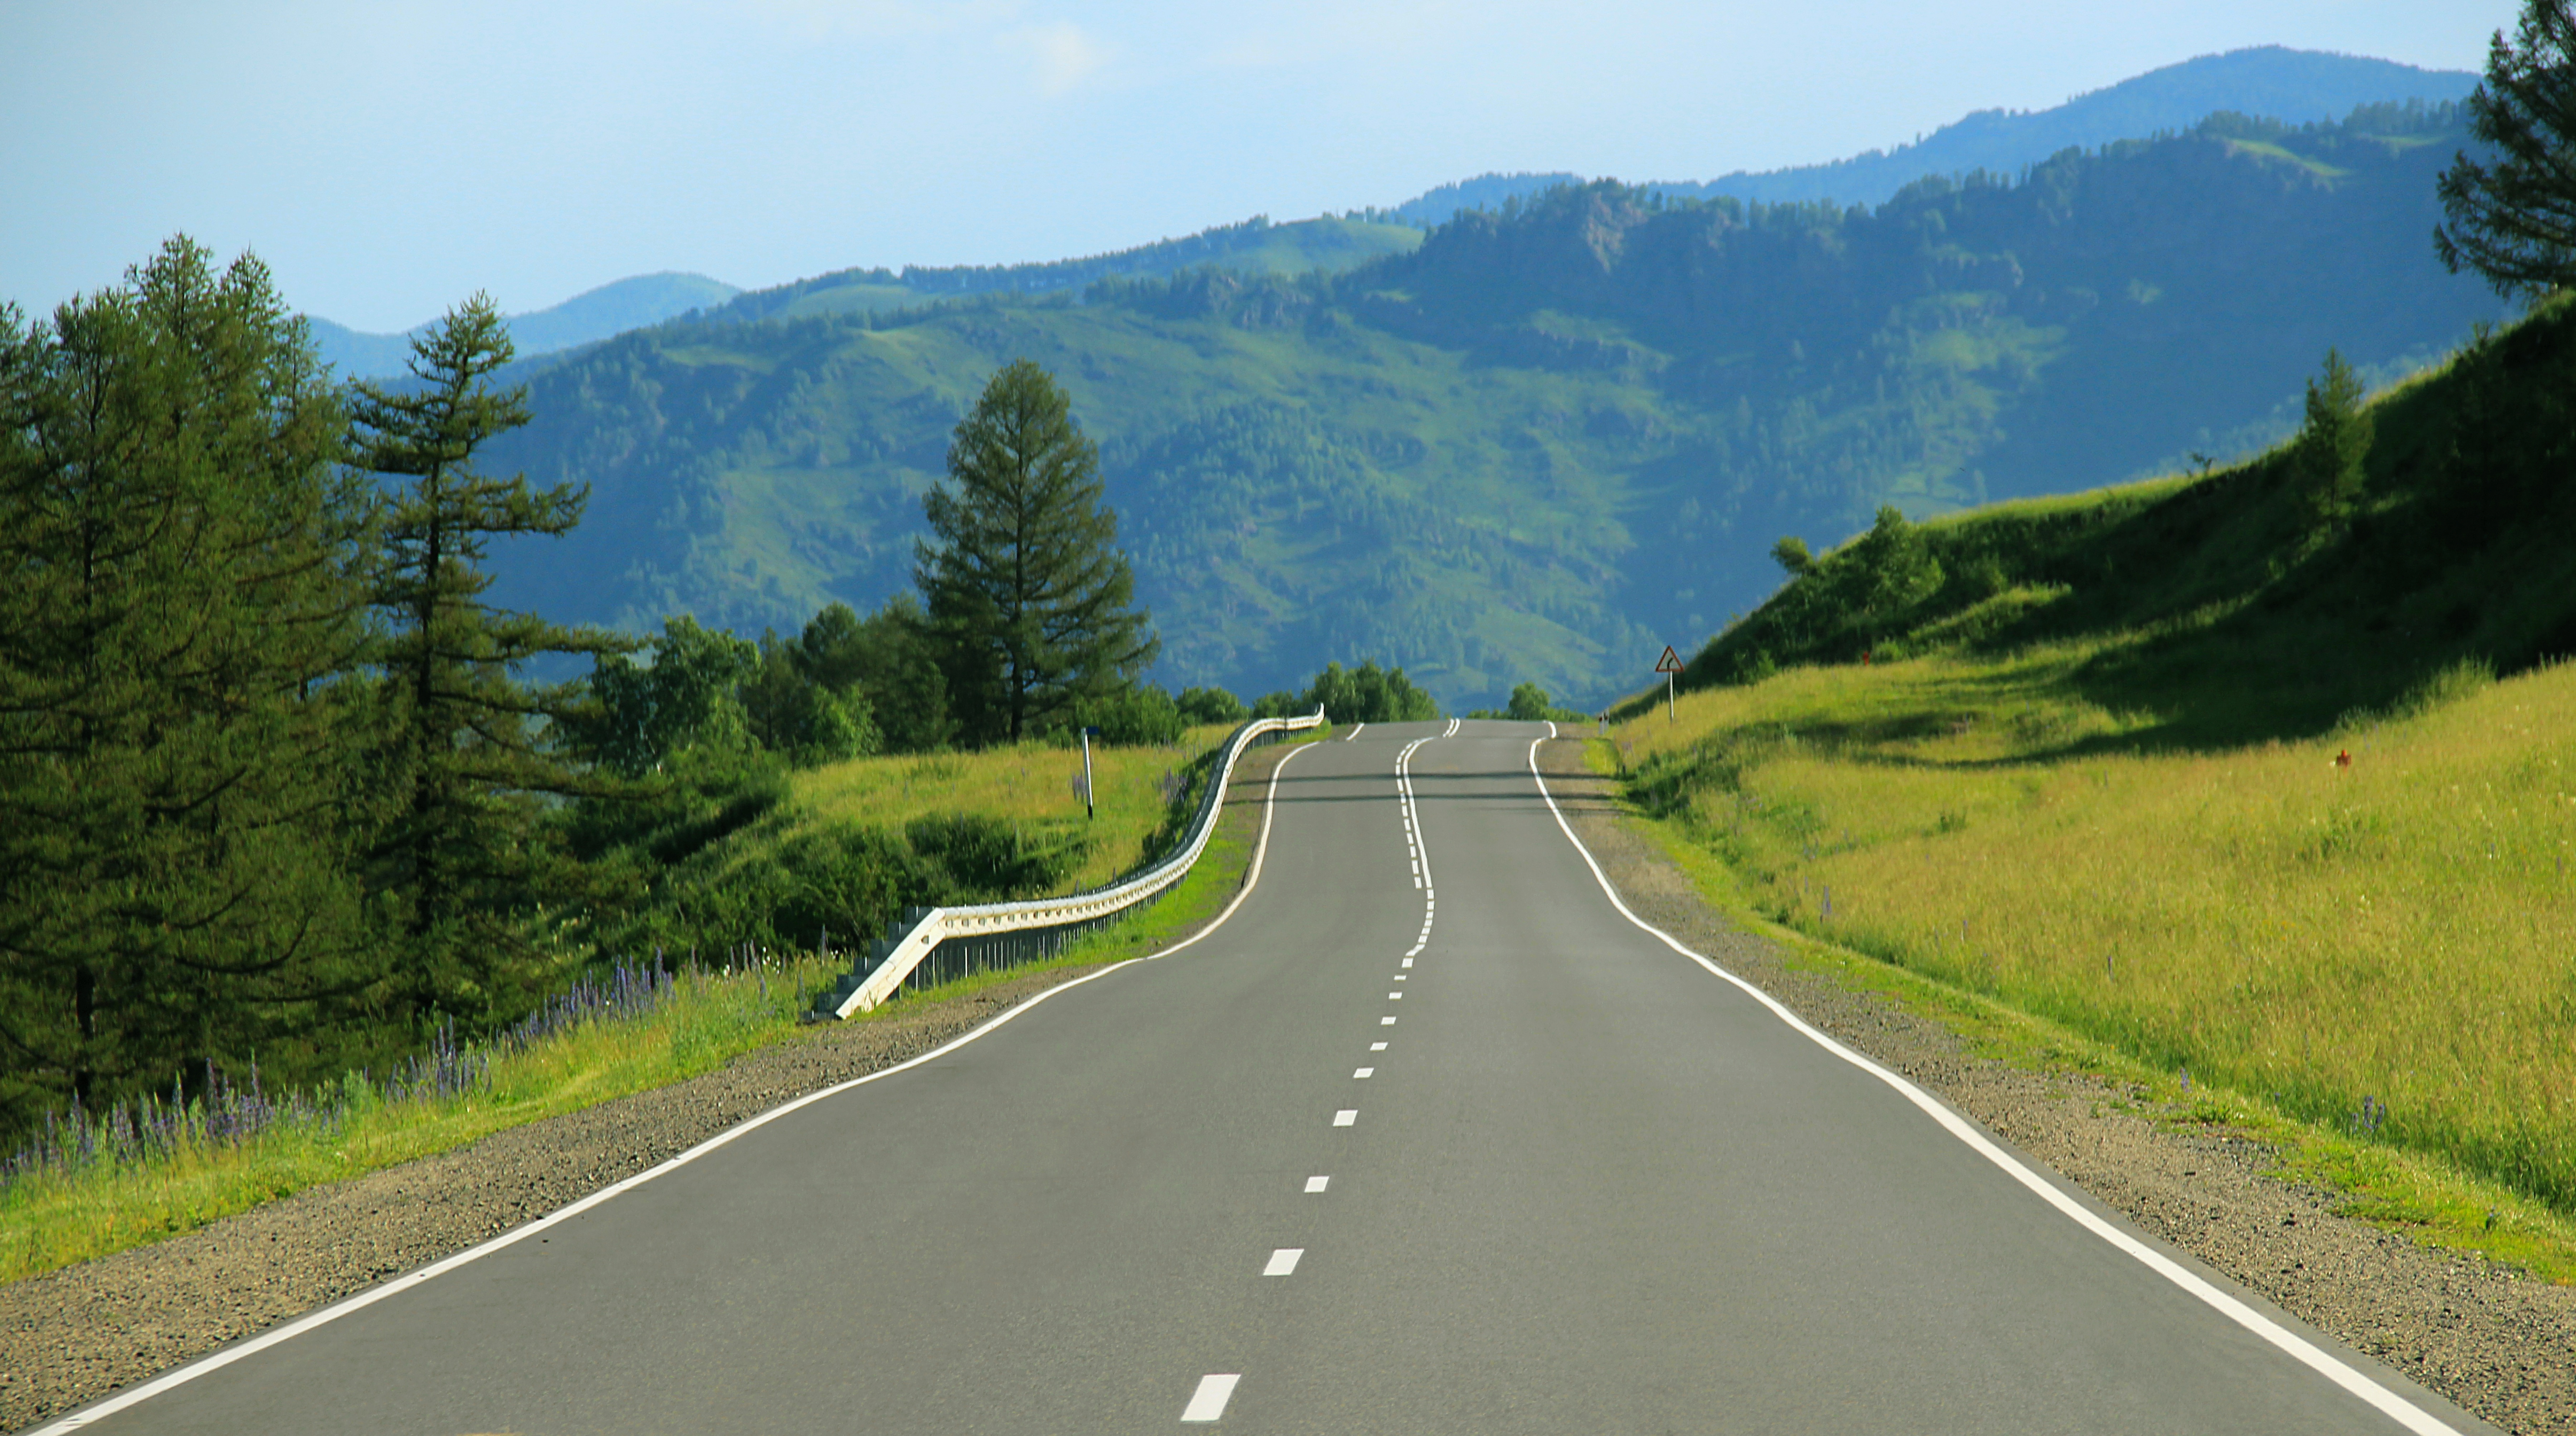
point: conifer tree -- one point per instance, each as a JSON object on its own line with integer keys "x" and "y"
{"x": 182, "y": 548}
{"x": 469, "y": 745}
{"x": 1026, "y": 589}
{"x": 2327, "y": 460}
{"x": 2515, "y": 221}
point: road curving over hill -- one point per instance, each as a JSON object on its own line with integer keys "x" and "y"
{"x": 1428, "y": 1137}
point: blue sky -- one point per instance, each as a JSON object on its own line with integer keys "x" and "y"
{"x": 388, "y": 159}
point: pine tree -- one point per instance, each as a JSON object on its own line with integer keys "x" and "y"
{"x": 469, "y": 746}
{"x": 2327, "y": 460}
{"x": 183, "y": 601}
{"x": 2515, "y": 221}
{"x": 1026, "y": 590}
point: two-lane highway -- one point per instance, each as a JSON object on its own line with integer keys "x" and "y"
{"x": 1428, "y": 1137}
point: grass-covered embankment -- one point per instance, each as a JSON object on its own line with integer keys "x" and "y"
{"x": 2211, "y": 778}
{"x": 611, "y": 1041}
{"x": 2379, "y": 949}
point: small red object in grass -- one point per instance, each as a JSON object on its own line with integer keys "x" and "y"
{"x": 2343, "y": 758}
{"x": 1864, "y": 658}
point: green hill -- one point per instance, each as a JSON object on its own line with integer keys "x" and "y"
{"x": 1545, "y": 442}
{"x": 2219, "y": 610}
{"x": 2259, "y": 802}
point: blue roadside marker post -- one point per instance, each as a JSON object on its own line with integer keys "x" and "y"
{"x": 1668, "y": 665}
{"x": 1087, "y": 735}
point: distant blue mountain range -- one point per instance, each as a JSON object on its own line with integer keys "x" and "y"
{"x": 610, "y": 309}
{"x": 2298, "y": 86}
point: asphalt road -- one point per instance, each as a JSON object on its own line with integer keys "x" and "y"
{"x": 1470, "y": 1154}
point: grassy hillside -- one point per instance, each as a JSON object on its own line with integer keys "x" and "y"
{"x": 1542, "y": 444}
{"x": 2227, "y": 790}
{"x": 2215, "y": 610}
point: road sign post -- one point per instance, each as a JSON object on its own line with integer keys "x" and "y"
{"x": 1087, "y": 735}
{"x": 1668, "y": 665}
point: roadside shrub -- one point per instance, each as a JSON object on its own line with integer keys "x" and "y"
{"x": 1211, "y": 705}
{"x": 1143, "y": 714}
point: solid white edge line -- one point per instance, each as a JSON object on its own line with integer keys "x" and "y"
{"x": 1355, "y": 732}
{"x": 1208, "y": 1402}
{"x": 2324, "y": 1363}
{"x": 216, "y": 1361}
{"x": 1260, "y": 850}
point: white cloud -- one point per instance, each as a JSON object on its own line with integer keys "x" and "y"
{"x": 1066, "y": 57}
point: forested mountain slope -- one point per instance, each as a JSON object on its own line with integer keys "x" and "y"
{"x": 1546, "y": 442}
{"x": 1256, "y": 246}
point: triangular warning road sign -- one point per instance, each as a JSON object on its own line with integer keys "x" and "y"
{"x": 1671, "y": 662}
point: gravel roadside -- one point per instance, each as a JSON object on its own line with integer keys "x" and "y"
{"x": 2501, "y": 1345}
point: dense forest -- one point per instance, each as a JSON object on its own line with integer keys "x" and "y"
{"x": 1546, "y": 441}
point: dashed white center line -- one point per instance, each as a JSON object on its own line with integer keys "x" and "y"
{"x": 1346, "y": 1116}
{"x": 1395, "y": 997}
{"x": 1408, "y": 962}
{"x": 1377, "y": 1047}
{"x": 1317, "y": 1184}
{"x": 1208, "y": 1402}
{"x": 1363, "y": 1074}
{"x": 1283, "y": 1261}
{"x": 1400, "y": 976}
{"x": 1386, "y": 1022}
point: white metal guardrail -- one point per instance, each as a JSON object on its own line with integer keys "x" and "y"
{"x": 1042, "y": 926}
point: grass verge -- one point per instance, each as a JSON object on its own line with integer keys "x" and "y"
{"x": 702, "y": 1020}
{"x": 2423, "y": 1195}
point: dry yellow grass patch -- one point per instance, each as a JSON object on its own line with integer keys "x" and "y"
{"x": 2389, "y": 946}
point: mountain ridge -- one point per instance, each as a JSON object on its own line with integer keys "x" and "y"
{"x": 2263, "y": 82}
{"x": 592, "y": 315}
{"x": 1541, "y": 439}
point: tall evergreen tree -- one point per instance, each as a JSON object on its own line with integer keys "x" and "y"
{"x": 181, "y": 548}
{"x": 470, "y": 745}
{"x": 2515, "y": 221}
{"x": 2328, "y": 458}
{"x": 1026, "y": 588}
